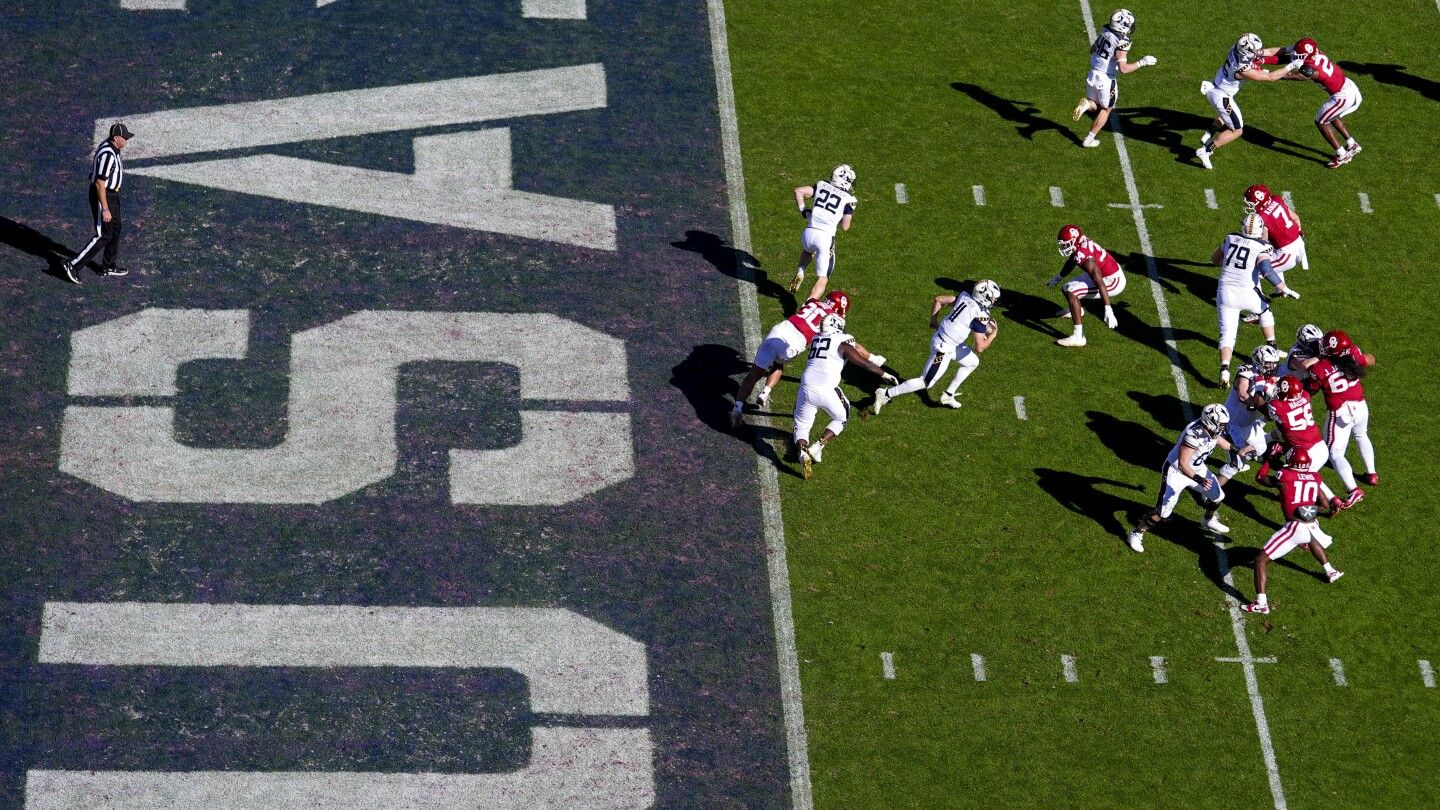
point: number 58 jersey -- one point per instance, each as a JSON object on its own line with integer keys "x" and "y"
{"x": 831, "y": 204}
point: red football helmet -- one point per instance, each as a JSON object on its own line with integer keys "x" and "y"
{"x": 1336, "y": 343}
{"x": 840, "y": 300}
{"x": 1306, "y": 47}
{"x": 1297, "y": 458}
{"x": 1256, "y": 196}
{"x": 1069, "y": 240}
{"x": 1289, "y": 386}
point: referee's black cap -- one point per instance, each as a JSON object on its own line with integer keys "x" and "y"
{"x": 121, "y": 130}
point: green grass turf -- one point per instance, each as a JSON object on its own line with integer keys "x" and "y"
{"x": 934, "y": 534}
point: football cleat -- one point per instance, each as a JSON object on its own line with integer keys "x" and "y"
{"x": 1080, "y": 109}
{"x": 1134, "y": 540}
{"x": 737, "y": 416}
{"x": 1371, "y": 478}
{"x": 763, "y": 400}
{"x": 1089, "y": 142}
{"x": 116, "y": 271}
{"x": 948, "y": 400}
{"x": 1074, "y": 341}
{"x": 1250, "y": 317}
{"x": 882, "y": 396}
{"x": 1340, "y": 160}
{"x": 1224, "y": 378}
{"x": 1213, "y": 524}
{"x": 70, "y": 273}
{"x": 807, "y": 467}
{"x": 1356, "y": 496}
{"x": 1353, "y": 151}
{"x": 795, "y": 282}
{"x": 1203, "y": 155}
{"x": 1335, "y": 506}
{"x": 1331, "y": 576}
{"x": 1255, "y": 607}
{"x": 814, "y": 451}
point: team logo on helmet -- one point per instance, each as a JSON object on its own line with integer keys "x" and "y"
{"x": 843, "y": 176}
{"x": 832, "y": 325}
{"x": 1297, "y": 458}
{"x": 1336, "y": 343}
{"x": 1306, "y": 47}
{"x": 1266, "y": 358}
{"x": 1215, "y": 418}
{"x": 1068, "y": 240}
{"x": 1248, "y": 47}
{"x": 840, "y": 300}
{"x": 986, "y": 292}
{"x": 1309, "y": 334}
{"x": 1252, "y": 227}
{"x": 1289, "y": 386}
{"x": 1255, "y": 196}
{"x": 1122, "y": 22}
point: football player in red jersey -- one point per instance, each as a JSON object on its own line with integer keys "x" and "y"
{"x": 1100, "y": 277}
{"x": 1300, "y": 493}
{"x": 1344, "y": 98}
{"x": 784, "y": 341}
{"x": 1295, "y": 425}
{"x": 1338, "y": 376}
{"x": 1282, "y": 228}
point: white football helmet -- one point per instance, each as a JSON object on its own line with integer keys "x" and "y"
{"x": 832, "y": 325}
{"x": 1309, "y": 334}
{"x": 1266, "y": 358}
{"x": 843, "y": 177}
{"x": 1215, "y": 418}
{"x": 1252, "y": 227}
{"x": 986, "y": 292}
{"x": 1248, "y": 47}
{"x": 1122, "y": 22}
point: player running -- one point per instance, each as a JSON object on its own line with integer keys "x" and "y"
{"x": 1241, "y": 64}
{"x": 1282, "y": 228}
{"x": 1254, "y": 385}
{"x": 1344, "y": 98}
{"x": 784, "y": 341}
{"x": 1100, "y": 277}
{"x": 969, "y": 315}
{"x": 820, "y": 387}
{"x": 1300, "y": 493}
{"x": 1108, "y": 57}
{"x": 833, "y": 208}
{"x": 1185, "y": 469}
{"x": 1338, "y": 376}
{"x": 1243, "y": 258}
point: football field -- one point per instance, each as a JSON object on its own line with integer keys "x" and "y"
{"x": 398, "y": 471}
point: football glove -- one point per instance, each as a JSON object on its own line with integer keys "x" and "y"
{"x": 889, "y": 379}
{"x": 1205, "y": 88}
{"x": 805, "y": 212}
{"x": 1289, "y": 293}
{"x": 1110, "y": 317}
{"x": 1295, "y": 65}
{"x": 1055, "y": 279}
{"x": 1147, "y": 61}
{"x": 877, "y": 359}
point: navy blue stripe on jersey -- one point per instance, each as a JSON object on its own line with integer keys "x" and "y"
{"x": 108, "y": 166}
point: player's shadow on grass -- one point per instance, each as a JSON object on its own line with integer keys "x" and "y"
{"x": 1131, "y": 442}
{"x": 1395, "y": 75}
{"x": 1026, "y": 116}
{"x": 28, "y": 240}
{"x": 1152, "y": 335}
{"x": 1179, "y": 132}
{"x": 1173, "y": 275}
{"x": 735, "y": 263}
{"x": 708, "y": 379}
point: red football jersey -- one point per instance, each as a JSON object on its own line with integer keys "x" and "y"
{"x": 1280, "y": 221}
{"x": 1337, "y": 388}
{"x": 1296, "y": 421}
{"x": 1298, "y": 488}
{"x": 807, "y": 320}
{"x": 1085, "y": 248}
{"x": 1327, "y": 73}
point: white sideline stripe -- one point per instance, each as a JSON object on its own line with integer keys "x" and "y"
{"x": 1290, "y": 198}
{"x": 901, "y": 196}
{"x": 163, "y": 5}
{"x": 887, "y": 665}
{"x": 977, "y": 663}
{"x": 1337, "y": 667}
{"x": 1020, "y": 409}
{"x": 1057, "y": 197}
{"x": 1067, "y": 666}
{"x": 1210, "y": 192}
{"x": 1237, "y": 621}
{"x": 1157, "y": 666}
{"x": 552, "y": 9}
{"x": 1437, "y": 196}
{"x": 1427, "y": 672}
{"x": 979, "y": 191}
{"x": 801, "y": 796}
{"x": 1365, "y": 198}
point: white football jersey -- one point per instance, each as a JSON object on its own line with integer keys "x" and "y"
{"x": 1102, "y": 52}
{"x": 964, "y": 318}
{"x": 830, "y": 205}
{"x": 1227, "y": 78}
{"x": 1240, "y": 267}
{"x": 1196, "y": 436}
{"x": 826, "y": 362}
{"x": 1240, "y": 414}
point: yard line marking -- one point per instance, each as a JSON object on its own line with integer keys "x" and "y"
{"x": 979, "y": 191}
{"x": 901, "y": 196}
{"x": 1157, "y": 666}
{"x": 1437, "y": 196}
{"x": 1057, "y": 197}
{"x": 1269, "y": 659}
{"x": 1020, "y": 409}
{"x": 1289, "y": 198}
{"x": 887, "y": 665}
{"x": 1210, "y": 192}
{"x": 977, "y": 663}
{"x": 1067, "y": 666}
{"x": 801, "y": 795}
{"x": 549, "y": 9}
{"x": 1237, "y": 619}
{"x": 1338, "y": 668}
{"x": 1128, "y": 205}
{"x": 1427, "y": 673}
{"x": 1365, "y": 198}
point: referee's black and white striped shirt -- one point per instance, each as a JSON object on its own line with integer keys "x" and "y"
{"x": 108, "y": 166}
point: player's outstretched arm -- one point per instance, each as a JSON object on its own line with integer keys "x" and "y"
{"x": 803, "y": 193}
{"x": 855, "y": 353}
{"x": 940, "y": 302}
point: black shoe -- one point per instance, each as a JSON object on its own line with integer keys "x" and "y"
{"x": 115, "y": 271}
{"x": 69, "y": 272}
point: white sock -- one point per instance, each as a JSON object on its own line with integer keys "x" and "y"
{"x": 1329, "y": 569}
{"x": 1339, "y": 151}
{"x": 765, "y": 392}
{"x": 1205, "y": 139}
{"x": 799, "y": 272}
{"x": 1261, "y": 599}
{"x": 1350, "y": 142}
{"x": 1079, "y": 330}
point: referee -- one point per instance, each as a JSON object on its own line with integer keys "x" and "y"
{"x": 106, "y": 178}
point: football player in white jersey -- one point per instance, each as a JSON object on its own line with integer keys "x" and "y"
{"x": 1243, "y": 258}
{"x": 1241, "y": 64}
{"x": 1254, "y": 386}
{"x": 832, "y": 209}
{"x": 1305, "y": 352}
{"x": 969, "y": 315}
{"x": 1185, "y": 469}
{"x": 1108, "y": 57}
{"x": 820, "y": 387}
